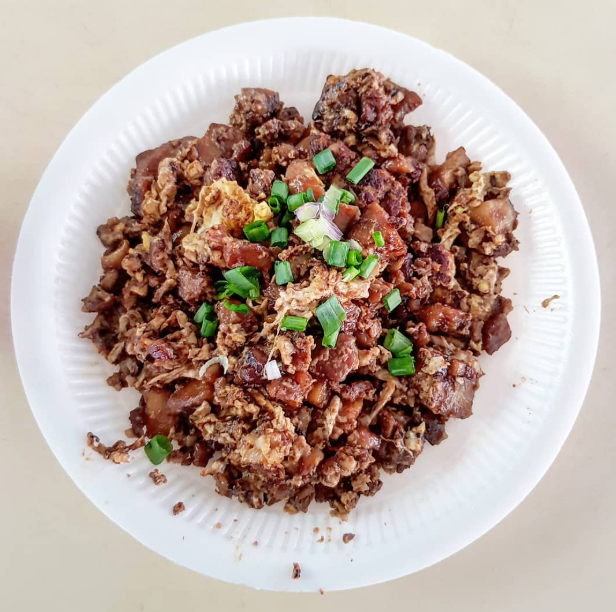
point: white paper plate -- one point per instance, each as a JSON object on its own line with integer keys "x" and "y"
{"x": 528, "y": 399}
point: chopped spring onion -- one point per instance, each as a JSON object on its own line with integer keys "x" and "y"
{"x": 223, "y": 288}
{"x": 295, "y": 201}
{"x": 325, "y": 247}
{"x": 208, "y": 328}
{"x": 227, "y": 289}
{"x": 241, "y": 308}
{"x": 330, "y": 315}
{"x": 282, "y": 271}
{"x": 401, "y": 366}
{"x": 324, "y": 161}
{"x": 360, "y": 169}
{"x": 347, "y": 197}
{"x": 397, "y": 343}
{"x": 286, "y": 218}
{"x": 280, "y": 190}
{"x": 314, "y": 231}
{"x": 158, "y": 448}
{"x": 329, "y": 340}
{"x": 274, "y": 204}
{"x": 440, "y": 218}
{"x": 257, "y": 231}
{"x": 272, "y": 371}
{"x": 321, "y": 198}
{"x": 206, "y": 316}
{"x": 220, "y": 360}
{"x": 354, "y": 258}
{"x": 330, "y": 228}
{"x": 331, "y": 201}
{"x": 307, "y": 211}
{"x": 294, "y": 323}
{"x": 325, "y": 213}
{"x": 337, "y": 254}
{"x": 378, "y": 239}
{"x": 392, "y": 299}
{"x": 321, "y": 243}
{"x": 310, "y": 195}
{"x": 349, "y": 274}
{"x": 353, "y": 244}
{"x": 243, "y": 281}
{"x": 368, "y": 265}
{"x": 279, "y": 237}
{"x": 309, "y": 231}
{"x": 204, "y": 311}
{"x": 249, "y": 272}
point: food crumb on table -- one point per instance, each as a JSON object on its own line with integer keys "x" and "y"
{"x": 255, "y": 543}
{"x": 297, "y": 571}
{"x": 179, "y": 507}
{"x": 315, "y": 530}
{"x": 218, "y": 525}
{"x": 347, "y": 537}
{"x": 321, "y": 539}
{"x": 157, "y": 477}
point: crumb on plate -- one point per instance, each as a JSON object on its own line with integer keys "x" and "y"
{"x": 297, "y": 571}
{"x": 547, "y": 301}
{"x": 157, "y": 477}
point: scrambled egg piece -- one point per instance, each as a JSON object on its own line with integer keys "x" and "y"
{"x": 225, "y": 202}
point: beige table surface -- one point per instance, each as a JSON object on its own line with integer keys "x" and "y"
{"x": 557, "y": 551}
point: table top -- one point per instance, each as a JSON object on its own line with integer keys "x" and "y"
{"x": 556, "y": 550}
